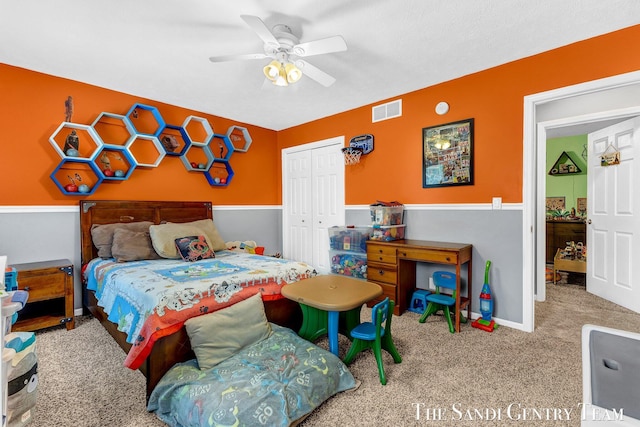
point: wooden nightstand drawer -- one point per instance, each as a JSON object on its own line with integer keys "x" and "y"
{"x": 50, "y": 288}
{"x": 43, "y": 284}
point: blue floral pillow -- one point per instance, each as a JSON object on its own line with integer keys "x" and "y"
{"x": 194, "y": 248}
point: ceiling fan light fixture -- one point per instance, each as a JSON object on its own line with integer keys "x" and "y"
{"x": 272, "y": 71}
{"x": 281, "y": 79}
{"x": 293, "y": 73}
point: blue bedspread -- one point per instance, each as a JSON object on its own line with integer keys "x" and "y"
{"x": 273, "y": 382}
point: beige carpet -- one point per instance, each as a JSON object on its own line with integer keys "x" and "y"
{"x": 465, "y": 378}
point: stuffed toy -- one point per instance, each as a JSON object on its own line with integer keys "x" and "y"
{"x": 249, "y": 246}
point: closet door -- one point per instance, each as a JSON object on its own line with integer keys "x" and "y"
{"x": 313, "y": 200}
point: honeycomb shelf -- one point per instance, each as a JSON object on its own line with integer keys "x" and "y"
{"x": 198, "y": 129}
{"x": 145, "y": 119}
{"x": 239, "y": 138}
{"x": 175, "y": 140}
{"x": 114, "y": 164}
{"x": 114, "y": 130}
{"x": 146, "y": 150}
{"x": 221, "y": 147}
{"x": 75, "y": 141}
{"x": 115, "y": 145}
{"x": 76, "y": 173}
{"x": 220, "y": 174}
{"x": 198, "y": 157}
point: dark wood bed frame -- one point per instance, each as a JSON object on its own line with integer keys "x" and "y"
{"x": 174, "y": 348}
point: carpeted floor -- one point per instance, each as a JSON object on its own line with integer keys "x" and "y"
{"x": 466, "y": 379}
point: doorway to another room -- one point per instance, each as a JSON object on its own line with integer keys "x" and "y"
{"x": 575, "y": 110}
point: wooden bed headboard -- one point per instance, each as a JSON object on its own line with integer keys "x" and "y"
{"x": 114, "y": 211}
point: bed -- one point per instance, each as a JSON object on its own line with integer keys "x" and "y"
{"x": 175, "y": 347}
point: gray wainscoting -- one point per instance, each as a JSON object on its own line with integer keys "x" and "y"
{"x": 496, "y": 235}
{"x": 45, "y": 233}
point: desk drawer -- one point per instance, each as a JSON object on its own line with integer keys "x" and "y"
{"x": 427, "y": 255}
{"x": 382, "y": 273}
{"x": 380, "y": 253}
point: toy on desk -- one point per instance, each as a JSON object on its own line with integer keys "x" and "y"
{"x": 486, "y": 305}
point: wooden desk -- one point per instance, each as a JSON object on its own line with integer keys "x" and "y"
{"x": 392, "y": 265}
{"x": 323, "y": 298}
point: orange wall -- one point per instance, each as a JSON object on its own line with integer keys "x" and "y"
{"x": 493, "y": 97}
{"x": 32, "y": 108}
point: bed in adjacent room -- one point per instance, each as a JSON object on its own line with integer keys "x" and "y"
{"x": 144, "y": 299}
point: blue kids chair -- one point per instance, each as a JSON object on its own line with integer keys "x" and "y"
{"x": 372, "y": 335}
{"x": 440, "y": 301}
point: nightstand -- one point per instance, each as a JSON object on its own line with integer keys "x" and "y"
{"x": 50, "y": 287}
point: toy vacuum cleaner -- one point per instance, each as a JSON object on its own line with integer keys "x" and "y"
{"x": 486, "y": 305}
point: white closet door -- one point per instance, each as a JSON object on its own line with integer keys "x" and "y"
{"x": 313, "y": 200}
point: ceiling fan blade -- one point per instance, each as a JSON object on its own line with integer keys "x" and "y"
{"x": 225, "y": 58}
{"x": 315, "y": 73}
{"x": 318, "y": 47}
{"x": 261, "y": 30}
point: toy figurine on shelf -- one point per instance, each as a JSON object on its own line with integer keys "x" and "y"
{"x": 486, "y": 323}
{"x": 72, "y": 143}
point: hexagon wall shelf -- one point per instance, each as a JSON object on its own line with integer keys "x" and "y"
{"x": 146, "y": 150}
{"x": 220, "y": 174}
{"x": 221, "y": 147}
{"x": 114, "y": 130}
{"x": 81, "y": 138}
{"x": 114, "y": 145}
{"x": 198, "y": 158}
{"x": 175, "y": 140}
{"x": 240, "y": 138}
{"x": 145, "y": 119}
{"x": 78, "y": 173}
{"x": 198, "y": 129}
{"x": 114, "y": 164}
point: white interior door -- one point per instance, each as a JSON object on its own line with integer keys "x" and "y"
{"x": 613, "y": 225}
{"x": 298, "y": 206}
{"x": 327, "y": 193}
{"x": 313, "y": 200}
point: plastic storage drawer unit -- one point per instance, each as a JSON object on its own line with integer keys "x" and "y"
{"x": 386, "y": 215}
{"x": 387, "y": 233}
{"x": 350, "y": 264}
{"x": 349, "y": 238}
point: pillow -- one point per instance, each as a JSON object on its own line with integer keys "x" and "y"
{"x": 163, "y": 236}
{"x": 219, "y": 335}
{"x": 102, "y": 234}
{"x": 211, "y": 232}
{"x": 129, "y": 245}
{"x": 194, "y": 248}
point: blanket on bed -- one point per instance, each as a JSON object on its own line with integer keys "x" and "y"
{"x": 153, "y": 298}
{"x": 273, "y": 382}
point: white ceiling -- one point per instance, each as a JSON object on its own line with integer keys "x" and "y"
{"x": 159, "y": 49}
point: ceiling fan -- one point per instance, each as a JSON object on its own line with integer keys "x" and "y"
{"x": 287, "y": 53}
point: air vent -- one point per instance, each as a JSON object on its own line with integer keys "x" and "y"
{"x": 386, "y": 111}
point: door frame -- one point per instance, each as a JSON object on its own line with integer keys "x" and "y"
{"x": 533, "y": 187}
{"x": 337, "y": 140}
